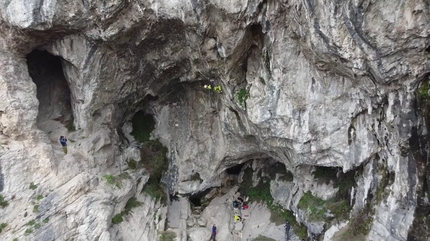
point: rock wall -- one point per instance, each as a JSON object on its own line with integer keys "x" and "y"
{"x": 322, "y": 83}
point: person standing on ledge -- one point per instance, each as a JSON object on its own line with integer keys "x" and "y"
{"x": 213, "y": 233}
{"x": 63, "y": 142}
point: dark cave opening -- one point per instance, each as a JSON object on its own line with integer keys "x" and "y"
{"x": 53, "y": 91}
{"x": 235, "y": 170}
{"x": 199, "y": 199}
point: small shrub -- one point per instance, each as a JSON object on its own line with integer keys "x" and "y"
{"x": 15, "y": 239}
{"x": 242, "y": 96}
{"x": 263, "y": 238}
{"x": 28, "y": 231}
{"x": 46, "y": 220}
{"x": 131, "y": 203}
{"x": 39, "y": 197}
{"x": 167, "y": 236}
{"x": 113, "y": 180}
{"x": 31, "y": 222}
{"x": 3, "y": 202}
{"x": 36, "y": 209}
{"x": 153, "y": 155}
{"x": 314, "y": 206}
{"x": 423, "y": 90}
{"x": 2, "y": 226}
{"x": 33, "y": 186}
{"x": 154, "y": 189}
{"x": 37, "y": 226}
{"x": 117, "y": 218}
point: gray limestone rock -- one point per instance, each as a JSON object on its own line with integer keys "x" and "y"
{"x": 306, "y": 83}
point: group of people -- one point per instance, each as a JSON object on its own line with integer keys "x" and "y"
{"x": 239, "y": 204}
{"x": 217, "y": 88}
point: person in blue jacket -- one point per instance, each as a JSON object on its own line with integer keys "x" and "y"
{"x": 213, "y": 232}
{"x": 63, "y": 142}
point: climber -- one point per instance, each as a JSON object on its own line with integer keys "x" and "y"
{"x": 213, "y": 232}
{"x": 235, "y": 204}
{"x": 63, "y": 142}
{"x": 245, "y": 205}
{"x": 287, "y": 230}
{"x": 209, "y": 87}
{"x": 218, "y": 89}
{"x": 237, "y": 218}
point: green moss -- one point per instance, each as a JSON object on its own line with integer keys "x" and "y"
{"x": 318, "y": 209}
{"x": 2, "y": 226}
{"x": 117, "y": 218}
{"x": 167, "y": 236}
{"x": 279, "y": 216}
{"x": 33, "y": 186}
{"x": 314, "y": 206}
{"x": 31, "y": 222}
{"x": 263, "y": 238}
{"x": 360, "y": 224}
{"x": 423, "y": 90}
{"x": 153, "y": 155}
{"x": 131, "y": 203}
{"x": 242, "y": 96}
{"x": 3, "y": 202}
{"x": 143, "y": 124}
{"x": 111, "y": 179}
{"x": 36, "y": 208}
{"x": 37, "y": 226}
{"x": 28, "y": 231}
{"x": 262, "y": 193}
{"x": 156, "y": 190}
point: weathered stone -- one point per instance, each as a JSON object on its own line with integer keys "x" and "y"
{"x": 307, "y": 83}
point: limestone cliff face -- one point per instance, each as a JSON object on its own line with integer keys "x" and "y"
{"x": 304, "y": 82}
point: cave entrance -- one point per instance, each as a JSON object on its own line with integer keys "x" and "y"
{"x": 200, "y": 199}
{"x": 235, "y": 170}
{"x": 53, "y": 93}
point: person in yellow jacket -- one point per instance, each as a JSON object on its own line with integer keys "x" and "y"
{"x": 218, "y": 89}
{"x": 237, "y": 218}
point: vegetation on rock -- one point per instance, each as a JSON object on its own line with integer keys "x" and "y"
{"x": 242, "y": 96}
{"x": 2, "y": 226}
{"x": 3, "y": 202}
{"x": 167, "y": 236}
{"x": 261, "y": 192}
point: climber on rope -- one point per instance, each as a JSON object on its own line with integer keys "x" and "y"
{"x": 218, "y": 89}
{"x": 213, "y": 232}
{"x": 208, "y": 87}
{"x": 63, "y": 142}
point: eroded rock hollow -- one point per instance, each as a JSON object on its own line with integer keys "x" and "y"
{"x": 315, "y": 112}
